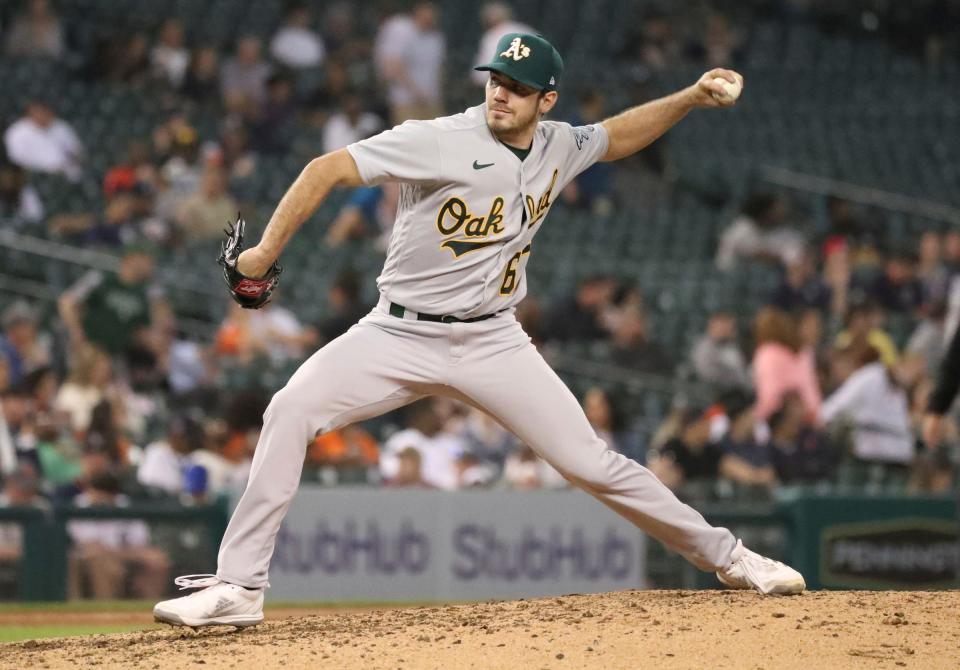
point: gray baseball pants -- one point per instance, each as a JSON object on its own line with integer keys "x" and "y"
{"x": 385, "y": 362}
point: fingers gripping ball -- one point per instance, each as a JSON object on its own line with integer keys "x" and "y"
{"x": 730, "y": 91}
{"x": 248, "y": 292}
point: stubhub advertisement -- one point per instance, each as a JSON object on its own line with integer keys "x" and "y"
{"x": 357, "y": 544}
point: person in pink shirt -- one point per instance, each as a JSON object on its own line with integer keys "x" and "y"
{"x": 782, "y": 363}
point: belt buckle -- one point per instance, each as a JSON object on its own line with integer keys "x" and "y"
{"x": 449, "y": 319}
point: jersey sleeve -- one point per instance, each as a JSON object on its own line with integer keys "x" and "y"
{"x": 581, "y": 147}
{"x": 407, "y": 153}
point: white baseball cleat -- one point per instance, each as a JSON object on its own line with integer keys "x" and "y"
{"x": 750, "y": 570}
{"x": 218, "y": 604}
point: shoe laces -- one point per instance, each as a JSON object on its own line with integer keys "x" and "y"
{"x": 196, "y": 581}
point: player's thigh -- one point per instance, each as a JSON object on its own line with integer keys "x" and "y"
{"x": 526, "y": 396}
{"x": 365, "y": 372}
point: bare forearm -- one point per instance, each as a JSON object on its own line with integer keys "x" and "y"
{"x": 632, "y": 130}
{"x": 300, "y": 201}
{"x": 637, "y": 127}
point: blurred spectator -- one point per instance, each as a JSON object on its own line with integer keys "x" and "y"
{"x": 169, "y": 58}
{"x": 121, "y": 222}
{"x": 202, "y": 79}
{"x": 863, "y": 327}
{"x": 409, "y": 470}
{"x": 165, "y": 461}
{"x": 85, "y": 386}
{"x": 125, "y": 58}
{"x": 358, "y": 218}
{"x": 781, "y": 364}
{"x": 842, "y": 221}
{"x": 653, "y": 41}
{"x": 410, "y": 54}
{"x": 113, "y": 311}
{"x": 607, "y": 419}
{"x": 759, "y": 233}
{"x": 873, "y": 405}
{"x": 424, "y": 433}
{"x": 720, "y": 43}
{"x": 897, "y": 289}
{"x": 592, "y": 189}
{"x": 204, "y": 215}
{"x": 747, "y": 459}
{"x": 928, "y": 341}
{"x": 688, "y": 454}
{"x": 41, "y": 142}
{"x": 497, "y": 18}
{"x": 632, "y": 347}
{"x": 36, "y": 32}
{"x": 579, "y": 318}
{"x": 801, "y": 288}
{"x": 243, "y": 78}
{"x": 280, "y": 333}
{"x": 273, "y": 124}
{"x": 20, "y": 206}
{"x": 351, "y": 451}
{"x": 344, "y": 306}
{"x": 177, "y": 144}
{"x": 486, "y": 439}
{"x": 351, "y": 123}
{"x": 237, "y": 158}
{"x": 296, "y": 45}
{"x": 134, "y": 172}
{"x": 531, "y": 317}
{"x": 109, "y": 554}
{"x": 524, "y": 470}
{"x": 328, "y": 97}
{"x": 22, "y": 344}
{"x": 799, "y": 451}
{"x": 931, "y": 271}
{"x": 716, "y": 357}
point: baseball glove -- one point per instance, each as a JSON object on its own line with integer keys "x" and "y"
{"x": 248, "y": 292}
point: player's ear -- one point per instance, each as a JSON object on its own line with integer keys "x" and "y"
{"x": 547, "y": 101}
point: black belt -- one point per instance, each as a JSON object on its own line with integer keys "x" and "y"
{"x": 399, "y": 310}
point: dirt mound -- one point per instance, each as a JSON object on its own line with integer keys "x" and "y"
{"x": 662, "y": 629}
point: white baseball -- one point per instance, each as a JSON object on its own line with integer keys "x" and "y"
{"x": 731, "y": 91}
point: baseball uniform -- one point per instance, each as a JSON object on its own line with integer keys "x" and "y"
{"x": 468, "y": 213}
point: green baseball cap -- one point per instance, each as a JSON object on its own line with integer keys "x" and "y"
{"x": 530, "y": 59}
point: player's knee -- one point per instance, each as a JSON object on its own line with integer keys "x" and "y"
{"x": 288, "y": 403}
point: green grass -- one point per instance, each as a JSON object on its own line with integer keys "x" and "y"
{"x": 17, "y": 633}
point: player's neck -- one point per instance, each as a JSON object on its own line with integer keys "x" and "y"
{"x": 518, "y": 139}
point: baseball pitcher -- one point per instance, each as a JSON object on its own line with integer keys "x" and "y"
{"x": 476, "y": 189}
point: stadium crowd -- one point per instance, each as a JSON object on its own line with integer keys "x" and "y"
{"x": 111, "y": 402}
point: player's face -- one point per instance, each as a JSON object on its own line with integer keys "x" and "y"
{"x": 513, "y": 107}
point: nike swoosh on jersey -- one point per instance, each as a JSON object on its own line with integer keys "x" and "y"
{"x": 480, "y": 166}
{"x": 461, "y": 247}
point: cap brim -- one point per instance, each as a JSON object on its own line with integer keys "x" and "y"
{"x": 499, "y": 67}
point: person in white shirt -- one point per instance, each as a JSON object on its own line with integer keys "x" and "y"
{"x": 498, "y": 18}
{"x": 41, "y": 142}
{"x": 350, "y": 124}
{"x": 439, "y": 451}
{"x": 165, "y": 461}
{"x": 875, "y": 407}
{"x": 409, "y": 53}
{"x": 169, "y": 58}
{"x": 295, "y": 44}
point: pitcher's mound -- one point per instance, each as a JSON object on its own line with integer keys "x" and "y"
{"x": 633, "y": 629}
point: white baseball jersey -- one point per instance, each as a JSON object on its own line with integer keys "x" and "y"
{"x": 469, "y": 207}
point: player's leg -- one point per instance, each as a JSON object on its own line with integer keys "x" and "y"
{"x": 378, "y": 365}
{"x": 517, "y": 387}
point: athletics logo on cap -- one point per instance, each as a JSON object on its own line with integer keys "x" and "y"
{"x": 517, "y": 50}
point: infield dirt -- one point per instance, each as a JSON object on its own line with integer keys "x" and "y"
{"x": 632, "y": 629}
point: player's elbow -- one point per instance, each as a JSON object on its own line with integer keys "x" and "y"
{"x": 336, "y": 167}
